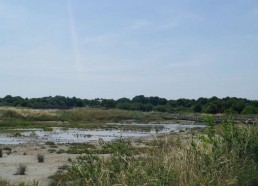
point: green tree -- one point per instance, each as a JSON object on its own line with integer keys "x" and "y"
{"x": 249, "y": 110}
{"x": 140, "y": 99}
{"x": 238, "y": 106}
{"x": 108, "y": 103}
{"x": 125, "y": 106}
{"x": 213, "y": 108}
{"x": 197, "y": 108}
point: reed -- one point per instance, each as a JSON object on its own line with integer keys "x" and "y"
{"x": 218, "y": 157}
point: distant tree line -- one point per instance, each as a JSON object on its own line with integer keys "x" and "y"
{"x": 213, "y": 105}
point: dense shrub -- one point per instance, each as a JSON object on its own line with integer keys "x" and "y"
{"x": 211, "y": 105}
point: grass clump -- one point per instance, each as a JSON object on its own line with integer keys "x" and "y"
{"x": 53, "y": 146}
{"x": 21, "y": 170}
{"x": 50, "y": 143}
{"x": 82, "y": 148}
{"x": 34, "y": 183}
{"x": 1, "y": 153}
{"x": 60, "y": 151}
{"x": 40, "y": 158}
{"x": 4, "y": 183}
{"x": 7, "y": 148}
{"x": 51, "y": 150}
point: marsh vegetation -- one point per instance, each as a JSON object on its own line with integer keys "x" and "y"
{"x": 225, "y": 155}
{"x": 221, "y": 154}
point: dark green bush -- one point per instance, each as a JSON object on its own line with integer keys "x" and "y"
{"x": 40, "y": 158}
{"x": 21, "y": 170}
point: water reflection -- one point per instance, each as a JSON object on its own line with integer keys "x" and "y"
{"x": 75, "y": 135}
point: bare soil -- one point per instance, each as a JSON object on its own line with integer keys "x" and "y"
{"x": 26, "y": 154}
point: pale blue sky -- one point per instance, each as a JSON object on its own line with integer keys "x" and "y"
{"x": 114, "y": 48}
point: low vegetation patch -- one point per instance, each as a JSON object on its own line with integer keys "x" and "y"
{"x": 21, "y": 170}
{"x": 51, "y": 150}
{"x": 4, "y": 183}
{"x": 50, "y": 143}
{"x": 60, "y": 151}
{"x": 227, "y": 156}
{"x": 7, "y": 148}
{"x": 40, "y": 158}
{"x": 82, "y": 148}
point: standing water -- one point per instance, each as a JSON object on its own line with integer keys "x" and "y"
{"x": 76, "y": 135}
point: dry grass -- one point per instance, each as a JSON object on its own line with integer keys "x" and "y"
{"x": 4, "y": 183}
{"x": 82, "y": 115}
{"x": 31, "y": 112}
{"x": 226, "y": 158}
{"x": 21, "y": 170}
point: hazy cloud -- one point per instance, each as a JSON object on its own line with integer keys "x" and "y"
{"x": 118, "y": 49}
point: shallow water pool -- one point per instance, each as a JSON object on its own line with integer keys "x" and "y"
{"x": 76, "y": 135}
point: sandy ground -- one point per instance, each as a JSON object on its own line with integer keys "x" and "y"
{"x": 36, "y": 172}
{"x": 40, "y": 172}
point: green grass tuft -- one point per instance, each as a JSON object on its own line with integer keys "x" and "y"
{"x": 227, "y": 156}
